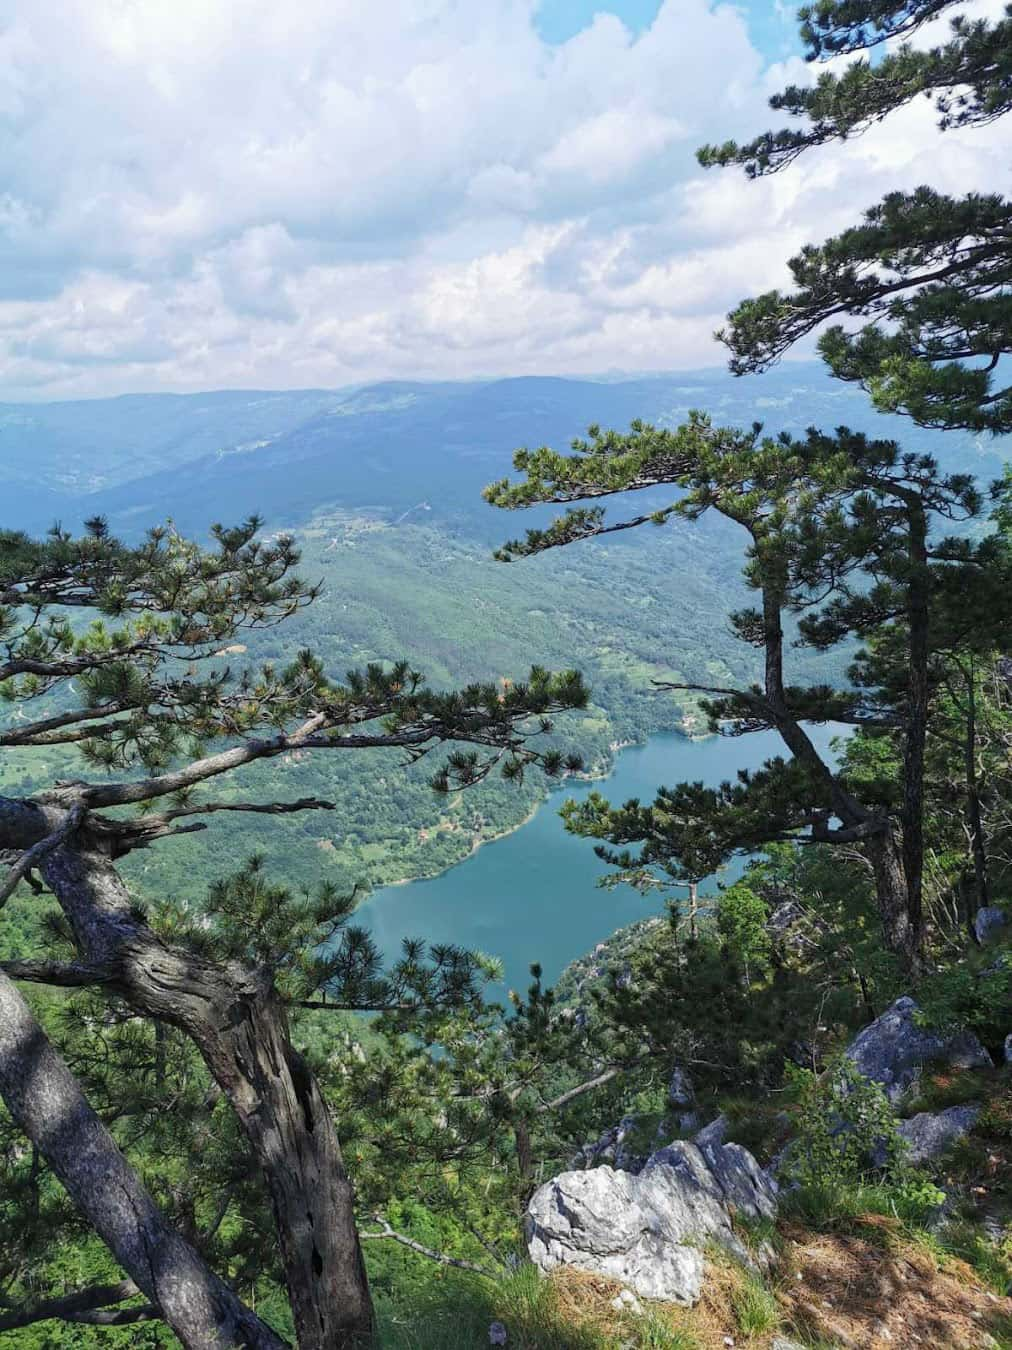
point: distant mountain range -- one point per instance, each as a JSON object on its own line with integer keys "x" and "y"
{"x": 393, "y": 447}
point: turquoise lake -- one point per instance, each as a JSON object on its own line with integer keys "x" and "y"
{"x": 532, "y": 895}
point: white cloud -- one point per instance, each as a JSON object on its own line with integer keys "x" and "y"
{"x": 244, "y": 192}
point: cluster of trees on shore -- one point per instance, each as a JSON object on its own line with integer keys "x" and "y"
{"x": 217, "y": 1041}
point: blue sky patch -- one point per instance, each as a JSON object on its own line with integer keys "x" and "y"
{"x": 772, "y": 25}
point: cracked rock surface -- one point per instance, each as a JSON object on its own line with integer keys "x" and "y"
{"x": 649, "y": 1230}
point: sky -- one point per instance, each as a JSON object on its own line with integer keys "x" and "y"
{"x": 256, "y": 194}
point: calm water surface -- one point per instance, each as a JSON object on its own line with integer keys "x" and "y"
{"x": 532, "y": 896}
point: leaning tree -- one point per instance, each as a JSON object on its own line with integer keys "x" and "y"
{"x": 115, "y": 652}
{"x": 843, "y": 531}
{"x": 839, "y": 538}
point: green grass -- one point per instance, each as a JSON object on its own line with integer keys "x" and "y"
{"x": 937, "y": 1092}
{"x": 991, "y": 1261}
{"x": 755, "y": 1308}
{"x": 457, "y": 1315}
{"x": 654, "y": 1334}
{"x": 831, "y": 1207}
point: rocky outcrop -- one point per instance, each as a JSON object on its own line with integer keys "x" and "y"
{"x": 893, "y": 1050}
{"x": 649, "y": 1230}
{"x": 614, "y": 1148}
{"x": 988, "y": 923}
{"x": 929, "y": 1134}
{"x": 713, "y": 1134}
{"x": 682, "y": 1101}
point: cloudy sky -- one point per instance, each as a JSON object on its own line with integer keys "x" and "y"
{"x": 288, "y": 193}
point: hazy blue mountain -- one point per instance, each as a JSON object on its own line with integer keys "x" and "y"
{"x": 394, "y": 447}
{"x": 381, "y": 486}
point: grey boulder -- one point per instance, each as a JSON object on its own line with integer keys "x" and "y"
{"x": 714, "y": 1133}
{"x": 893, "y": 1049}
{"x": 648, "y": 1230}
{"x": 987, "y": 923}
{"x": 682, "y": 1101}
{"x": 930, "y": 1133}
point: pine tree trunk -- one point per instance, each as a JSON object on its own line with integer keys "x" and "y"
{"x": 45, "y": 1100}
{"x": 886, "y": 854}
{"x": 525, "y": 1162}
{"x": 239, "y": 1024}
{"x": 917, "y": 719}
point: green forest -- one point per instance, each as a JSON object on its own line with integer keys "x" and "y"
{"x": 776, "y": 1111}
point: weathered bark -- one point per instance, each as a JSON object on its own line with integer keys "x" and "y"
{"x": 845, "y": 806}
{"x": 902, "y": 936}
{"x": 915, "y": 739}
{"x": 45, "y": 1100}
{"x": 525, "y": 1161}
{"x": 902, "y": 928}
{"x": 239, "y": 1024}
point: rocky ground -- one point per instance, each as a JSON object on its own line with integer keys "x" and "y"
{"x": 688, "y": 1233}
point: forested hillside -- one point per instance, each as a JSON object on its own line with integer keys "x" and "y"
{"x": 382, "y": 489}
{"x": 262, "y": 652}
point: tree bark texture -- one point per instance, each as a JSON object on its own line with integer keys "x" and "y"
{"x": 45, "y": 1100}
{"x": 236, "y": 1019}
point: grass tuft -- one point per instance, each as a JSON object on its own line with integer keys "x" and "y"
{"x": 755, "y": 1308}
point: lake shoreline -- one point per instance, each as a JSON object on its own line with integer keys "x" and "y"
{"x": 537, "y": 897}
{"x": 616, "y": 748}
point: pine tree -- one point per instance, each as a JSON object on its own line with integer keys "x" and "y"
{"x": 117, "y": 652}
{"x": 840, "y": 528}
{"x": 933, "y": 272}
{"x": 839, "y": 535}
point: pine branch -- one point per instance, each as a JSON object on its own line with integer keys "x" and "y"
{"x": 38, "y": 851}
{"x": 75, "y": 1307}
{"x": 63, "y": 974}
{"x": 590, "y": 1085}
{"x": 388, "y": 1233}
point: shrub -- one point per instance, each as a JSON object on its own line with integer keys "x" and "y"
{"x": 843, "y": 1122}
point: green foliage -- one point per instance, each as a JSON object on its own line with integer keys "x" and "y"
{"x": 929, "y": 270}
{"x": 973, "y": 993}
{"x": 842, "y": 1120}
{"x": 742, "y": 923}
{"x": 459, "y": 1313}
{"x": 755, "y": 1307}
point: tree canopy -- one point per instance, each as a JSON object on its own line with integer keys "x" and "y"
{"x": 932, "y": 272}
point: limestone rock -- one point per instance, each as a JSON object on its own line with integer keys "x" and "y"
{"x": 893, "y": 1049}
{"x": 681, "y": 1093}
{"x": 713, "y": 1134}
{"x": 930, "y": 1133}
{"x": 682, "y": 1101}
{"x": 613, "y": 1147}
{"x": 988, "y": 922}
{"x": 648, "y": 1230}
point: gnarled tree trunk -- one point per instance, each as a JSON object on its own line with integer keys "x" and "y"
{"x": 237, "y": 1021}
{"x": 45, "y": 1100}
